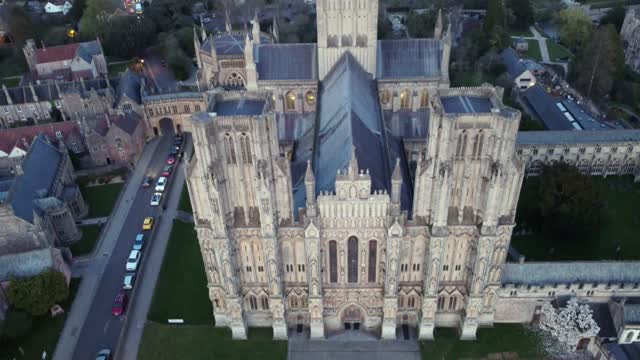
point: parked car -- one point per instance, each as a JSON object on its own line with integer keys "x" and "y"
{"x": 166, "y": 171}
{"x": 104, "y": 354}
{"x": 147, "y": 181}
{"x": 177, "y": 142}
{"x": 161, "y": 184}
{"x": 155, "y": 199}
{"x": 137, "y": 245}
{"x": 174, "y": 151}
{"x": 147, "y": 224}
{"x": 129, "y": 279}
{"x": 119, "y": 303}
{"x": 171, "y": 160}
{"x": 133, "y": 260}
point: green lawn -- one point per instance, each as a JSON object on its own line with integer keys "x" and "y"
{"x": 558, "y": 52}
{"x": 90, "y": 235}
{"x": 116, "y": 69}
{"x": 502, "y": 338}
{"x": 521, "y": 32}
{"x": 181, "y": 291}
{"x": 470, "y": 78}
{"x": 194, "y": 342}
{"x": 534, "y": 50}
{"x": 185, "y": 202}
{"x": 101, "y": 199}
{"x": 10, "y": 82}
{"x": 621, "y": 225}
{"x": 43, "y": 335}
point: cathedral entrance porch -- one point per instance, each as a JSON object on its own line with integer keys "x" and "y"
{"x": 352, "y": 317}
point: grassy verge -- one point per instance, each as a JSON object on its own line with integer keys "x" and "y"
{"x": 196, "y": 342}
{"x": 534, "y": 50}
{"x": 43, "y": 335}
{"x": 181, "y": 291}
{"x": 85, "y": 245}
{"x": 500, "y": 339}
{"x": 558, "y": 52}
{"x": 101, "y": 199}
{"x": 116, "y": 69}
{"x": 521, "y": 32}
{"x": 10, "y": 82}
{"x": 185, "y": 202}
{"x": 621, "y": 224}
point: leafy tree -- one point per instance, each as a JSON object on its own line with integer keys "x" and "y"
{"x": 179, "y": 63}
{"x": 567, "y": 205}
{"x": 127, "y": 36}
{"x": 19, "y": 25}
{"x": 615, "y": 16}
{"x": 494, "y": 16}
{"x": 16, "y": 325}
{"x": 421, "y": 25}
{"x": 385, "y": 29}
{"x": 568, "y": 325}
{"x": 528, "y": 124}
{"x": 95, "y": 18}
{"x": 37, "y": 294}
{"x": 523, "y": 12}
{"x": 575, "y": 27}
{"x": 600, "y": 63}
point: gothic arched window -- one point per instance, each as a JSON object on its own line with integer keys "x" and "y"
{"x": 440, "y": 302}
{"x": 264, "y": 301}
{"x": 245, "y": 148}
{"x": 310, "y": 97}
{"x": 461, "y": 146}
{"x": 373, "y": 252}
{"x": 333, "y": 261}
{"x": 290, "y": 100}
{"x": 253, "y": 303}
{"x": 424, "y": 99}
{"x": 230, "y": 149}
{"x": 405, "y": 99}
{"x": 352, "y": 259}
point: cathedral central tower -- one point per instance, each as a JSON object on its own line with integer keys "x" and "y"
{"x": 347, "y": 25}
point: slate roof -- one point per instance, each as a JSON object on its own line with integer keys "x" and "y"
{"x": 40, "y": 168}
{"x": 624, "y": 351}
{"x": 408, "y": 124}
{"x": 512, "y": 61}
{"x": 10, "y": 138}
{"x": 128, "y": 122}
{"x": 85, "y": 51}
{"x": 286, "y": 62}
{"x": 545, "y": 108}
{"x": 25, "y": 264}
{"x": 408, "y": 58}
{"x": 129, "y": 85}
{"x": 294, "y": 126}
{"x": 569, "y": 137}
{"x": 239, "y": 107}
{"x": 89, "y": 49}
{"x": 465, "y": 104}
{"x": 549, "y": 273}
{"x": 228, "y": 44}
{"x": 586, "y": 121}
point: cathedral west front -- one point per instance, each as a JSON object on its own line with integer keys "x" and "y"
{"x": 344, "y": 186}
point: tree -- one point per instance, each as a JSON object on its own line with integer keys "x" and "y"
{"x": 95, "y": 18}
{"x": 575, "y": 27}
{"x": 600, "y": 63}
{"x": 37, "y": 294}
{"x": 568, "y": 325}
{"x": 523, "y": 12}
{"x": 494, "y": 16}
{"x": 385, "y": 29}
{"x": 615, "y": 16}
{"x": 421, "y": 25}
{"x": 19, "y": 25}
{"x": 567, "y": 207}
{"x": 127, "y": 36}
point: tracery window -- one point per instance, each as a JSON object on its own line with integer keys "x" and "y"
{"x": 352, "y": 259}
{"x": 405, "y": 99}
{"x": 264, "y": 301}
{"x": 424, "y": 99}
{"x": 461, "y": 147}
{"x": 385, "y": 96}
{"x": 290, "y": 101}
{"x": 440, "y": 302}
{"x": 230, "y": 149}
{"x": 245, "y": 148}
{"x": 253, "y": 302}
{"x": 333, "y": 261}
{"x": 373, "y": 251}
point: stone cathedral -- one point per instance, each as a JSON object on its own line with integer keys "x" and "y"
{"x": 344, "y": 186}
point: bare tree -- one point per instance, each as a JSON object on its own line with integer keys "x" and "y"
{"x": 568, "y": 325}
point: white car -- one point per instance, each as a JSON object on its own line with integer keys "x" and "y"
{"x": 155, "y": 199}
{"x": 133, "y": 260}
{"x": 129, "y": 279}
{"x": 161, "y": 184}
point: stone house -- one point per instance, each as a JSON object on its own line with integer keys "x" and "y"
{"x": 66, "y": 62}
{"x": 115, "y": 138}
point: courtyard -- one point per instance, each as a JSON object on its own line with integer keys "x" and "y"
{"x": 90, "y": 235}
{"x": 620, "y": 228}
{"x": 101, "y": 198}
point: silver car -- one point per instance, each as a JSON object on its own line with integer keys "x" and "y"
{"x": 129, "y": 279}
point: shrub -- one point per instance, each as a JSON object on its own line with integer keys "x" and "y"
{"x": 16, "y": 325}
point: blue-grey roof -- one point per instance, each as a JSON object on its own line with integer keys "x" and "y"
{"x": 286, "y": 62}
{"x": 40, "y": 171}
{"x": 25, "y": 264}
{"x": 549, "y": 273}
{"x": 129, "y": 85}
{"x": 545, "y": 109}
{"x": 88, "y": 49}
{"x": 408, "y": 58}
{"x": 632, "y": 313}
{"x": 513, "y": 62}
{"x": 173, "y": 95}
{"x": 241, "y": 106}
{"x": 586, "y": 121}
{"x": 408, "y": 124}
{"x": 229, "y": 44}
{"x": 466, "y": 104}
{"x": 624, "y": 351}
{"x": 568, "y": 137}
{"x": 294, "y": 126}
{"x": 48, "y": 203}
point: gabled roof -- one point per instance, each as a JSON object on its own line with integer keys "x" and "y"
{"x": 409, "y": 58}
{"x": 40, "y": 169}
{"x": 25, "y": 264}
{"x": 545, "y": 108}
{"x": 242, "y": 106}
{"x": 128, "y": 122}
{"x": 513, "y": 62}
{"x": 286, "y": 62}
{"x": 130, "y": 85}
{"x": 10, "y": 138}
{"x": 56, "y": 53}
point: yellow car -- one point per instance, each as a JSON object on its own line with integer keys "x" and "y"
{"x": 147, "y": 224}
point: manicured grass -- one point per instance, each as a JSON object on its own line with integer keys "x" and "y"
{"x": 534, "y": 50}
{"x": 90, "y": 235}
{"x": 502, "y": 338}
{"x": 521, "y": 32}
{"x": 194, "y": 342}
{"x": 101, "y": 199}
{"x": 116, "y": 69}
{"x": 558, "y": 52}
{"x": 10, "y": 82}
{"x": 470, "y": 78}
{"x": 181, "y": 291}
{"x": 44, "y": 334}
{"x": 621, "y": 226}
{"x": 185, "y": 202}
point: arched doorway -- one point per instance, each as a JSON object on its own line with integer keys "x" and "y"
{"x": 166, "y": 126}
{"x": 156, "y": 132}
{"x": 108, "y": 160}
{"x": 352, "y": 317}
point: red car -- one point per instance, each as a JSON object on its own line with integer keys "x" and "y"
{"x": 119, "y": 304}
{"x": 171, "y": 160}
{"x": 166, "y": 171}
